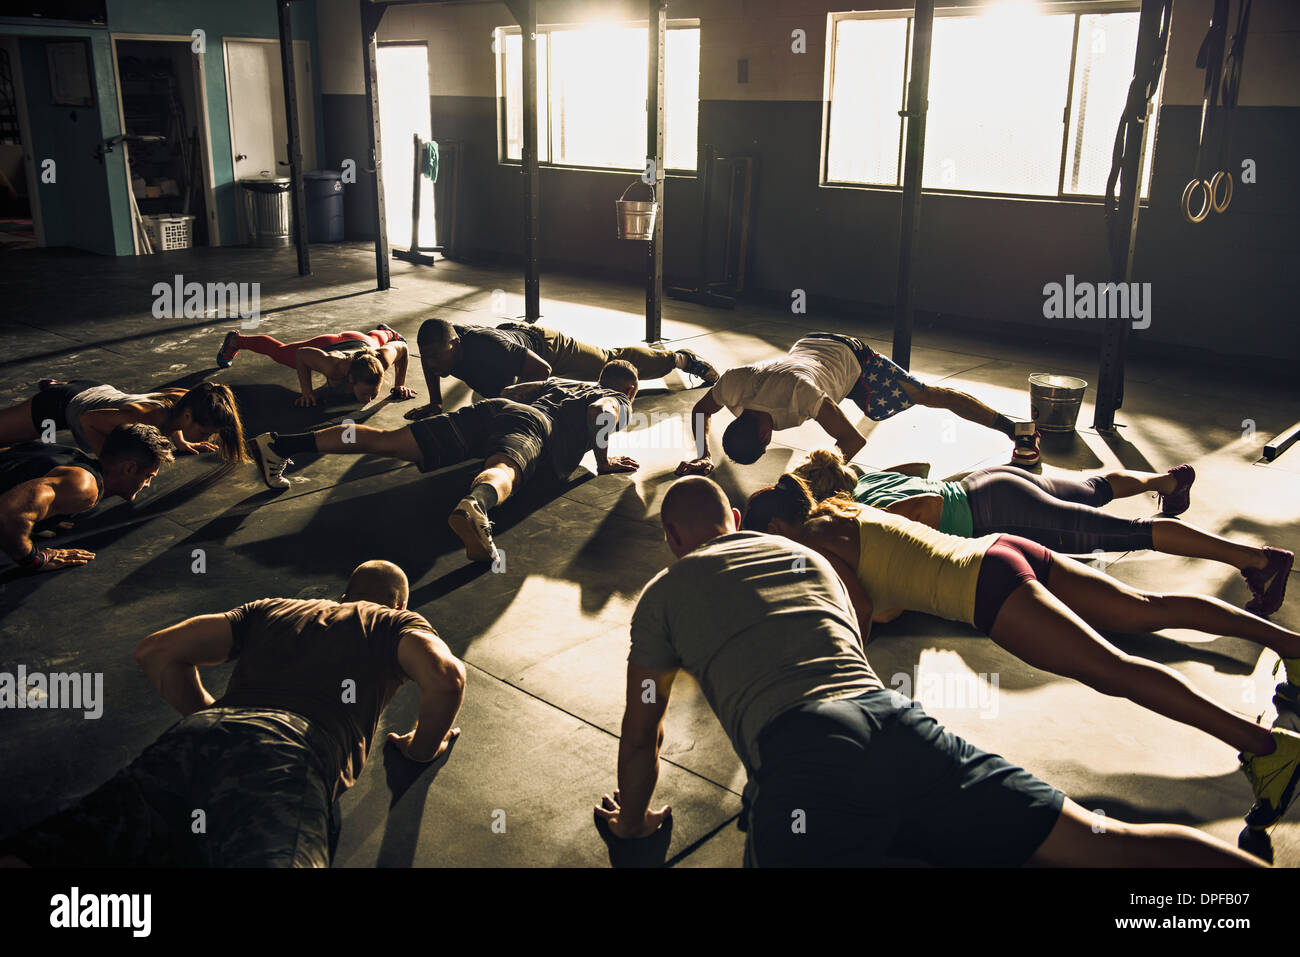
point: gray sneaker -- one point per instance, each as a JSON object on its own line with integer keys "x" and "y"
{"x": 270, "y": 462}
{"x": 471, "y": 525}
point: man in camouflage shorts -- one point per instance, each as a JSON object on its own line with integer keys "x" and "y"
{"x": 252, "y": 780}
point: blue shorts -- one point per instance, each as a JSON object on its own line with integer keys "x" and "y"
{"x": 850, "y": 782}
{"x": 879, "y": 390}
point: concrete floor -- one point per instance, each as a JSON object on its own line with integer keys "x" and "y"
{"x": 545, "y": 642}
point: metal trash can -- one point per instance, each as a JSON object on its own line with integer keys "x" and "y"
{"x": 266, "y": 203}
{"x": 1054, "y": 400}
{"x": 636, "y": 219}
{"x": 324, "y": 189}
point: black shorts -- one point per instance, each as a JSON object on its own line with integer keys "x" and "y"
{"x": 848, "y": 783}
{"x": 480, "y": 431}
{"x": 52, "y": 403}
{"x": 262, "y": 780}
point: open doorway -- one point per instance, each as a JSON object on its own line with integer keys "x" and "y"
{"x": 404, "y": 110}
{"x": 163, "y": 105}
{"x": 19, "y": 197}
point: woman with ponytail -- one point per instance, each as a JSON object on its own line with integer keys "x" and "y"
{"x": 90, "y": 411}
{"x": 1043, "y": 608}
{"x": 1059, "y": 512}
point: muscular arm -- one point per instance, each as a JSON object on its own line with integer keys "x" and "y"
{"x": 836, "y": 549}
{"x": 832, "y": 418}
{"x": 603, "y": 420}
{"x": 534, "y": 369}
{"x": 639, "y": 742}
{"x": 701, "y": 414}
{"x": 524, "y": 392}
{"x": 65, "y": 491}
{"x": 171, "y": 659}
{"x": 440, "y": 676}
{"x": 395, "y": 354}
{"x": 309, "y": 360}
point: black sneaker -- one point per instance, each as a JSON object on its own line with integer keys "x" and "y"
{"x": 698, "y": 367}
{"x": 226, "y": 355}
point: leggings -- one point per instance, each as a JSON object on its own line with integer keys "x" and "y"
{"x": 286, "y": 353}
{"x": 571, "y": 359}
{"x": 1060, "y": 513}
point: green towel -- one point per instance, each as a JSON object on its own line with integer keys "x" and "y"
{"x": 429, "y": 161}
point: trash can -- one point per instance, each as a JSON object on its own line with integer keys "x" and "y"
{"x": 1054, "y": 400}
{"x": 266, "y": 201}
{"x": 324, "y": 189}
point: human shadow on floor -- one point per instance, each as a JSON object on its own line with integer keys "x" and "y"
{"x": 408, "y": 786}
{"x": 651, "y": 851}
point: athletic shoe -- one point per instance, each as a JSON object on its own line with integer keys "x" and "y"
{"x": 471, "y": 524}
{"x": 397, "y": 336}
{"x": 1027, "y": 455}
{"x": 698, "y": 367}
{"x": 46, "y": 384}
{"x": 1285, "y": 693}
{"x": 226, "y": 355}
{"x": 1178, "y": 501}
{"x": 1268, "y": 584}
{"x": 270, "y": 462}
{"x": 1273, "y": 778}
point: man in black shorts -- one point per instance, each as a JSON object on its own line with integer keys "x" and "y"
{"x": 841, "y": 770}
{"x": 555, "y": 420}
{"x": 42, "y": 486}
{"x": 263, "y": 766}
{"x": 489, "y": 359}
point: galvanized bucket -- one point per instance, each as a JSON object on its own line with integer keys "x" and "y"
{"x": 1054, "y": 400}
{"x": 636, "y": 220}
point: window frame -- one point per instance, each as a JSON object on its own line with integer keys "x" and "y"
{"x": 546, "y": 149}
{"x": 1075, "y": 8}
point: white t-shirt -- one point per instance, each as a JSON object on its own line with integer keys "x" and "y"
{"x": 791, "y": 389}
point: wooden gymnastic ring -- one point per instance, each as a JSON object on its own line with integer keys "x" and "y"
{"x": 1220, "y": 176}
{"x": 1187, "y": 201}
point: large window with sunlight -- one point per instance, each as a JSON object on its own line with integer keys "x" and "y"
{"x": 1024, "y": 98}
{"x": 591, "y": 95}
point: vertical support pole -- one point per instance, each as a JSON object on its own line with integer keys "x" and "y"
{"x": 654, "y": 292}
{"x": 371, "y": 14}
{"x": 525, "y": 13}
{"x": 415, "y": 198}
{"x": 1123, "y": 240}
{"x": 918, "y": 104}
{"x": 298, "y": 196}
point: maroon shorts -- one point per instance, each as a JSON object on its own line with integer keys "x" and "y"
{"x": 1009, "y": 562}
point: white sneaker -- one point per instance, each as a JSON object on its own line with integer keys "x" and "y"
{"x": 471, "y": 524}
{"x": 270, "y": 462}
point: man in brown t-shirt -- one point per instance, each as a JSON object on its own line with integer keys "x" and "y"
{"x": 265, "y": 763}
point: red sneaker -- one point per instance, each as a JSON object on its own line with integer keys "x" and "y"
{"x": 1027, "y": 454}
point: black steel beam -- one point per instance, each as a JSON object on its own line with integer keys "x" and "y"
{"x": 918, "y": 97}
{"x": 297, "y": 193}
{"x": 371, "y": 14}
{"x": 654, "y": 289}
{"x": 1122, "y": 224}
{"x": 525, "y": 14}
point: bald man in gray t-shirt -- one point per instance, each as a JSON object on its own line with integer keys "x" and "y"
{"x": 841, "y": 771}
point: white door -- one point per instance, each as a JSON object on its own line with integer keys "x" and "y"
{"x": 259, "y": 134}
{"x": 403, "y": 111}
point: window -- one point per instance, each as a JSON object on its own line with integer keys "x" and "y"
{"x": 591, "y": 96}
{"x": 1023, "y": 100}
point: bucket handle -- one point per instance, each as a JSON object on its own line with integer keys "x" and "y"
{"x": 635, "y": 183}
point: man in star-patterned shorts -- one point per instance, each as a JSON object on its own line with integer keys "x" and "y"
{"x": 880, "y": 391}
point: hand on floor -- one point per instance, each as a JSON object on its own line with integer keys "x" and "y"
{"x": 696, "y": 467}
{"x": 304, "y": 401}
{"x": 619, "y": 463}
{"x": 403, "y": 744}
{"x": 52, "y": 559}
{"x": 609, "y": 811}
{"x": 400, "y": 392}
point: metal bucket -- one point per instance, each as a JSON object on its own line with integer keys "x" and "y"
{"x": 266, "y": 208}
{"x": 636, "y": 220}
{"x": 1054, "y": 401}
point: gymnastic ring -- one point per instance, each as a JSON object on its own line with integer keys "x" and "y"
{"x": 1221, "y": 175}
{"x": 1187, "y": 201}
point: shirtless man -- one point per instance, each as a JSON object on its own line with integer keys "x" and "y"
{"x": 43, "y": 485}
{"x": 353, "y": 363}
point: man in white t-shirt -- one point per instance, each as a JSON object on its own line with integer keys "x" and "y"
{"x": 809, "y": 382}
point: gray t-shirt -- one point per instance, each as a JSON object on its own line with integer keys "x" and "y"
{"x": 762, "y": 623}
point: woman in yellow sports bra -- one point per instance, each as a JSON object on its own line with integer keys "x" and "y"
{"x": 1042, "y": 607}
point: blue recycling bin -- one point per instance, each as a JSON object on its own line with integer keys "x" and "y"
{"x": 324, "y": 195}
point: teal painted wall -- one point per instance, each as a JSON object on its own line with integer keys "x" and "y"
{"x": 230, "y": 18}
{"x": 87, "y": 206}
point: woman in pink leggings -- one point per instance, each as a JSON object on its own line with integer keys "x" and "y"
{"x": 353, "y": 363}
